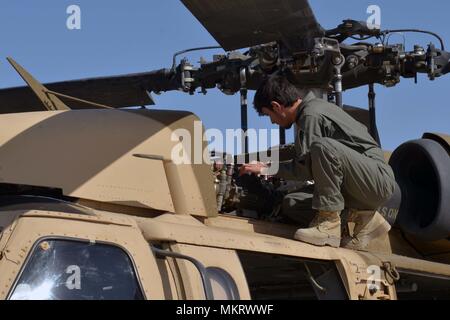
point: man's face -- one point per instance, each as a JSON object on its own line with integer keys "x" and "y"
{"x": 280, "y": 115}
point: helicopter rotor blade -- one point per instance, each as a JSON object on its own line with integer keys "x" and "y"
{"x": 116, "y": 91}
{"x": 237, "y": 24}
{"x": 446, "y": 69}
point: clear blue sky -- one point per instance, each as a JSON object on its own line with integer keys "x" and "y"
{"x": 120, "y": 37}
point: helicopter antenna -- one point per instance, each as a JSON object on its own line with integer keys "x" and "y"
{"x": 50, "y": 101}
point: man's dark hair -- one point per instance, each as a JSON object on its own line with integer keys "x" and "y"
{"x": 276, "y": 88}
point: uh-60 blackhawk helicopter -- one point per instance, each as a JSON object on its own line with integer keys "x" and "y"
{"x": 93, "y": 207}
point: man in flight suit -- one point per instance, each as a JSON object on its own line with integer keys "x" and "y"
{"x": 337, "y": 153}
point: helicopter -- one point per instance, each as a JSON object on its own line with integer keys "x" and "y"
{"x": 214, "y": 235}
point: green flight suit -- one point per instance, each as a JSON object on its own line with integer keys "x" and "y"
{"x": 337, "y": 153}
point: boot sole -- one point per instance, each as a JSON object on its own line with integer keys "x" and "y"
{"x": 331, "y": 242}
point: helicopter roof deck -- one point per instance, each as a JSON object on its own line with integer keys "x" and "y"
{"x": 89, "y": 148}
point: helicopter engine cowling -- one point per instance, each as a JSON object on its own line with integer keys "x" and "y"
{"x": 422, "y": 170}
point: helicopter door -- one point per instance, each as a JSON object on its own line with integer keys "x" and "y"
{"x": 204, "y": 273}
{"x": 278, "y": 277}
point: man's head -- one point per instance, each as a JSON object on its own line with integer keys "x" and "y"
{"x": 279, "y": 99}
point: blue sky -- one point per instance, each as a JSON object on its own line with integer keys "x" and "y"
{"x": 119, "y": 37}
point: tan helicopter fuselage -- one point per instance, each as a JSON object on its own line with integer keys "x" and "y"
{"x": 138, "y": 204}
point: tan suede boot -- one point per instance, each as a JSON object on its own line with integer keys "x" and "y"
{"x": 325, "y": 230}
{"x": 369, "y": 225}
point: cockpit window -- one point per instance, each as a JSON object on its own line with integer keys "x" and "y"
{"x": 72, "y": 270}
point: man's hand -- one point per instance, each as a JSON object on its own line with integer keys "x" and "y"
{"x": 257, "y": 168}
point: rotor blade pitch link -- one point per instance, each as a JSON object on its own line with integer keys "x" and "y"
{"x": 244, "y": 111}
{"x": 338, "y": 64}
{"x": 373, "y": 114}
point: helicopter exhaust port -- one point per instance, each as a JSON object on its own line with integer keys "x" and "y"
{"x": 422, "y": 171}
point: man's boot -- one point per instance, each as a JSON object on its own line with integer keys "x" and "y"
{"x": 325, "y": 230}
{"x": 369, "y": 225}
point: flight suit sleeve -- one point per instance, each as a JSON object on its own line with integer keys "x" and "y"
{"x": 309, "y": 129}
